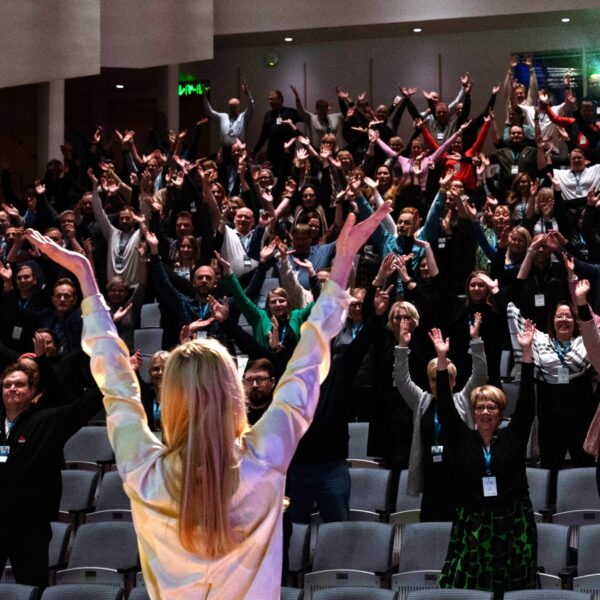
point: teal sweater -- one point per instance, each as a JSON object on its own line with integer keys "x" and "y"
{"x": 259, "y": 318}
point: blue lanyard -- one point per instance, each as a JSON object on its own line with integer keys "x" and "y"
{"x": 156, "y": 411}
{"x": 437, "y": 428}
{"x": 487, "y": 457}
{"x": 283, "y": 332}
{"x": 355, "y": 329}
{"x": 203, "y": 311}
{"x": 561, "y": 349}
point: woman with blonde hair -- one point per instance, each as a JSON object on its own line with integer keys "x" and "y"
{"x": 207, "y": 503}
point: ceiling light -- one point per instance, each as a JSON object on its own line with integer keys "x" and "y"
{"x": 417, "y": 30}
{"x": 119, "y": 86}
{"x": 565, "y": 19}
{"x": 288, "y": 39}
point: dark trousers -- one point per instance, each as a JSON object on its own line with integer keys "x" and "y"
{"x": 27, "y": 549}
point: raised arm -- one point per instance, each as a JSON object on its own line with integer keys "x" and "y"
{"x": 295, "y": 399}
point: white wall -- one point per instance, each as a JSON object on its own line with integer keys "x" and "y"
{"x": 240, "y": 16}
{"x": 49, "y": 39}
{"x": 408, "y": 60}
{"x": 148, "y": 33}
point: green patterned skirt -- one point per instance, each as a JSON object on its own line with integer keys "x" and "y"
{"x": 492, "y": 550}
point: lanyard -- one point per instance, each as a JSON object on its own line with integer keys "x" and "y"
{"x": 437, "y": 427}
{"x": 487, "y": 458}
{"x": 577, "y": 177}
{"x": 156, "y": 412}
{"x": 283, "y": 332}
{"x": 203, "y": 310}
{"x": 355, "y": 329}
{"x": 561, "y": 349}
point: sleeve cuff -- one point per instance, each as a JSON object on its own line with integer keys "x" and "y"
{"x": 93, "y": 304}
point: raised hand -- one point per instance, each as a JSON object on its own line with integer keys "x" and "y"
{"x": 440, "y": 344}
{"x": 274, "y": 333}
{"x": 569, "y": 265}
{"x": 582, "y": 289}
{"x": 382, "y": 300}
{"x": 492, "y": 284}
{"x": 404, "y": 334}
{"x": 305, "y": 264}
{"x": 226, "y": 266}
{"x": 351, "y": 239}
{"x": 136, "y": 360}
{"x": 219, "y": 310}
{"x": 122, "y": 312}
{"x": 475, "y": 326}
{"x": 525, "y": 337}
{"x": 5, "y": 272}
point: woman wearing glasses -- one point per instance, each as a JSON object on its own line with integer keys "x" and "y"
{"x": 493, "y": 544}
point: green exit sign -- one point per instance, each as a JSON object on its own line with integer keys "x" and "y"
{"x": 195, "y": 88}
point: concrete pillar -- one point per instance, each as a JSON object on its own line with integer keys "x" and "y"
{"x": 168, "y": 97}
{"x": 51, "y": 122}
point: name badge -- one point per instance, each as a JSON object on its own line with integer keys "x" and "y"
{"x": 201, "y": 335}
{"x": 514, "y": 169}
{"x": 441, "y": 242}
{"x": 582, "y": 139}
{"x": 540, "y": 300}
{"x": 247, "y": 263}
{"x": 16, "y": 332}
{"x": 489, "y": 486}
{"x": 4, "y": 452}
{"x": 437, "y": 453}
{"x": 439, "y": 137}
{"x": 278, "y": 121}
{"x": 456, "y": 167}
{"x": 562, "y": 374}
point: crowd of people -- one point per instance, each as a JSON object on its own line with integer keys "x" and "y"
{"x": 463, "y": 255}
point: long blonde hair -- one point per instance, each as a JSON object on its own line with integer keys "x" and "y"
{"x": 203, "y": 417}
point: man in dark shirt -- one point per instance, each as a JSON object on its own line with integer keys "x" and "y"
{"x": 31, "y": 456}
{"x": 259, "y": 382}
{"x": 275, "y": 131}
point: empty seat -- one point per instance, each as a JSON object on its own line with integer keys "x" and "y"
{"x": 588, "y": 561}
{"x": 357, "y": 445}
{"x": 288, "y": 593}
{"x": 370, "y": 493}
{"x": 14, "y": 591}
{"x": 408, "y": 510}
{"x": 546, "y": 595}
{"x": 539, "y": 487}
{"x": 83, "y": 591}
{"x": 57, "y": 550}
{"x": 78, "y": 494}
{"x": 299, "y": 551}
{"x": 553, "y": 553}
{"x": 435, "y": 594}
{"x": 104, "y": 553}
{"x": 356, "y": 554}
{"x": 150, "y": 316}
{"x": 139, "y": 593}
{"x": 577, "y": 501}
{"x": 148, "y": 341}
{"x": 90, "y": 449}
{"x": 423, "y": 550}
{"x": 349, "y": 593}
{"x": 112, "y": 503}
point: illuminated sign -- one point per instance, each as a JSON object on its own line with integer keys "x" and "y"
{"x": 194, "y": 88}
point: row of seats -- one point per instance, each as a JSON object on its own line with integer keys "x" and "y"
{"x": 351, "y": 593}
{"x": 98, "y": 592}
{"x": 90, "y": 449}
{"x": 363, "y": 554}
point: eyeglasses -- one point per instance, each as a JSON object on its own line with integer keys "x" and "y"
{"x": 491, "y": 408}
{"x": 250, "y": 381}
